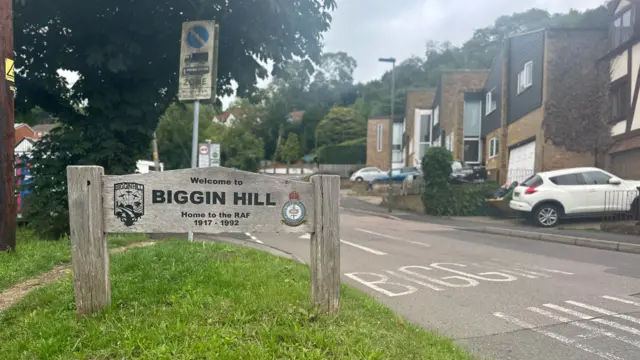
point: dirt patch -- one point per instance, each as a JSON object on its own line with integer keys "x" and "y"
{"x": 623, "y": 227}
{"x": 17, "y": 292}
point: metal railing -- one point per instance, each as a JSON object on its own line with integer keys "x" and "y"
{"x": 622, "y": 205}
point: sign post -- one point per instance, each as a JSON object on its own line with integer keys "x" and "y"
{"x": 207, "y": 200}
{"x": 198, "y": 71}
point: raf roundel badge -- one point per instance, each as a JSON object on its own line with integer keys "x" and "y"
{"x": 293, "y": 211}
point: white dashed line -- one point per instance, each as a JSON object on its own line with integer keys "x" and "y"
{"x": 393, "y": 238}
{"x": 624, "y": 301}
{"x": 253, "y": 238}
{"x": 364, "y": 248}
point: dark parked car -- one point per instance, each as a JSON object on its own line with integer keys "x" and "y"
{"x": 467, "y": 174}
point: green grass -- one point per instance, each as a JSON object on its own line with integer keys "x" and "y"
{"x": 34, "y": 256}
{"x": 178, "y": 300}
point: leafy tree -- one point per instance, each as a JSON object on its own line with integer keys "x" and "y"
{"x": 127, "y": 78}
{"x": 241, "y": 149}
{"x": 310, "y": 121}
{"x": 175, "y": 131}
{"x": 341, "y": 124}
{"x": 291, "y": 149}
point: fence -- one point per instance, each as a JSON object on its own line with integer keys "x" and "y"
{"x": 622, "y": 205}
{"x": 344, "y": 170}
{"x": 412, "y": 187}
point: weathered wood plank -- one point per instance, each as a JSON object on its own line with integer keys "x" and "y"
{"x": 90, "y": 257}
{"x": 206, "y": 200}
{"x": 325, "y": 244}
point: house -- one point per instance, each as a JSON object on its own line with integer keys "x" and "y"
{"x": 22, "y": 131}
{"x": 24, "y": 147}
{"x": 624, "y": 57}
{"x": 43, "y": 129}
{"x": 295, "y": 116}
{"x": 530, "y": 91}
{"x": 457, "y": 114}
{"x": 378, "y": 142}
{"x": 228, "y": 117}
{"x": 417, "y": 124}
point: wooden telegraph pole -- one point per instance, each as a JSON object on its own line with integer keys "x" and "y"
{"x": 7, "y": 89}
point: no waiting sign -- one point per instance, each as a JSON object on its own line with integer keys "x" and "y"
{"x": 198, "y": 60}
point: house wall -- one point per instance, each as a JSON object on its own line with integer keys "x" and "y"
{"x": 454, "y": 85}
{"x": 523, "y": 49}
{"x": 22, "y": 132}
{"x": 494, "y": 162}
{"x": 491, "y": 121}
{"x": 416, "y": 99}
{"x": 375, "y": 158}
{"x": 521, "y": 131}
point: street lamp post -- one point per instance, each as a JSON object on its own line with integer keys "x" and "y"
{"x": 393, "y": 93}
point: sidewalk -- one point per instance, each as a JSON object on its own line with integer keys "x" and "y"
{"x": 586, "y": 238}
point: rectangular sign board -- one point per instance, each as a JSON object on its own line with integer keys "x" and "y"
{"x": 197, "y": 60}
{"x": 208, "y": 200}
{"x": 203, "y": 155}
{"x": 214, "y": 154}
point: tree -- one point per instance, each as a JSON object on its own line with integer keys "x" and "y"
{"x": 175, "y": 131}
{"x": 241, "y": 149}
{"x": 341, "y": 124}
{"x": 291, "y": 149}
{"x": 127, "y": 78}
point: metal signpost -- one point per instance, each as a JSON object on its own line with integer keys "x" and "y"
{"x": 198, "y": 70}
{"x": 208, "y": 200}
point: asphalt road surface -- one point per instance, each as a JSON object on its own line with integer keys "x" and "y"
{"x": 500, "y": 297}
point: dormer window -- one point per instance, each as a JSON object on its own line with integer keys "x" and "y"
{"x": 622, "y": 27}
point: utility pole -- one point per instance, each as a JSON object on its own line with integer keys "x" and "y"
{"x": 393, "y": 98}
{"x": 156, "y": 158}
{"x": 7, "y": 176}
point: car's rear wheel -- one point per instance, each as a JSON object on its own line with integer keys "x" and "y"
{"x": 546, "y": 215}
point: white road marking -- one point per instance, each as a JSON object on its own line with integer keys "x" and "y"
{"x": 594, "y": 329}
{"x": 305, "y": 236}
{"x": 624, "y": 301}
{"x": 364, "y": 248}
{"x": 605, "y": 312}
{"x": 414, "y": 281}
{"x": 582, "y": 316}
{"x": 253, "y": 238}
{"x": 555, "y": 336}
{"x": 535, "y": 267}
{"x": 382, "y": 279}
{"x": 393, "y": 238}
{"x": 512, "y": 272}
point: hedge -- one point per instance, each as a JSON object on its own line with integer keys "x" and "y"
{"x": 349, "y": 152}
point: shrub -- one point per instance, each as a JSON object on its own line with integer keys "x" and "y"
{"x": 349, "y": 152}
{"x": 441, "y": 198}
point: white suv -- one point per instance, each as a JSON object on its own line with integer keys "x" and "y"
{"x": 579, "y": 192}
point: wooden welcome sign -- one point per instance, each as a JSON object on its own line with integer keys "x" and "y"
{"x": 207, "y": 200}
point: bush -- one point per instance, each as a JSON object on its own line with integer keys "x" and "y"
{"x": 441, "y": 198}
{"x": 349, "y": 152}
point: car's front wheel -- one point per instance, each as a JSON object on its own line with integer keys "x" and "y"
{"x": 546, "y": 215}
{"x": 359, "y": 179}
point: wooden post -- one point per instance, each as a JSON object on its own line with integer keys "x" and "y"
{"x": 90, "y": 257}
{"x": 325, "y": 244}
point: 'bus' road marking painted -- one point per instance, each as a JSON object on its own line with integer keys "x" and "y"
{"x": 393, "y": 238}
{"x": 364, "y": 248}
{"x": 305, "y": 236}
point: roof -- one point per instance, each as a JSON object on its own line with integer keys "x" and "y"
{"x": 296, "y": 115}
{"x": 29, "y": 139}
{"x": 44, "y": 128}
{"x": 237, "y": 112}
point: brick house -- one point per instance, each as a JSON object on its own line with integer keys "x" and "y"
{"x": 417, "y": 124}
{"x": 457, "y": 113}
{"x": 22, "y": 131}
{"x": 524, "y": 80}
{"x": 378, "y": 143}
{"x": 624, "y": 57}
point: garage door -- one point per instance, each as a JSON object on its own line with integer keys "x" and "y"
{"x": 522, "y": 162}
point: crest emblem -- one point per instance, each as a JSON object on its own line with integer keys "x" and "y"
{"x": 293, "y": 211}
{"x": 128, "y": 202}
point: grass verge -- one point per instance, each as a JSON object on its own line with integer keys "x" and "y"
{"x": 34, "y": 256}
{"x": 177, "y": 300}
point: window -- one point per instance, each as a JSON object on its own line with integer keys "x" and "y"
{"x": 436, "y": 116}
{"x": 568, "y": 180}
{"x": 472, "y": 118}
{"x": 534, "y": 180}
{"x": 494, "y": 147}
{"x": 620, "y": 100}
{"x": 490, "y": 103}
{"x": 525, "y": 78}
{"x": 622, "y": 28}
{"x": 596, "y": 178}
{"x": 425, "y": 128}
{"x": 472, "y": 151}
{"x": 380, "y": 138}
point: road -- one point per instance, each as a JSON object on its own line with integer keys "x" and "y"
{"x": 500, "y": 297}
